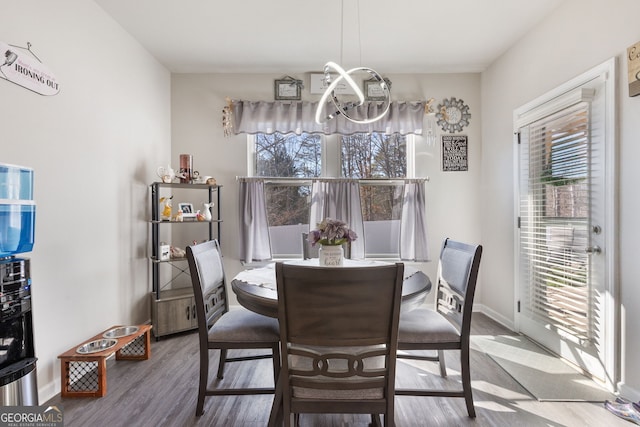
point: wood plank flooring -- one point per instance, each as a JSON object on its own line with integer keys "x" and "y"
{"x": 162, "y": 391}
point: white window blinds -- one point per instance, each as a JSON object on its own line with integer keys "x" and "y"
{"x": 554, "y": 217}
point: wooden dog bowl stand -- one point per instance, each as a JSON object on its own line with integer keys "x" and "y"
{"x": 85, "y": 375}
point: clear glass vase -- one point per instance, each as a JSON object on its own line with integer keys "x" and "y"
{"x": 331, "y": 255}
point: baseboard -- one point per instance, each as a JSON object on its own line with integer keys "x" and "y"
{"x": 494, "y": 315}
{"x": 628, "y": 392}
{"x": 48, "y": 391}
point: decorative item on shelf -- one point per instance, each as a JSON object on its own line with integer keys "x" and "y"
{"x": 211, "y": 181}
{"x": 207, "y": 211}
{"x": 200, "y": 179}
{"x": 331, "y": 234}
{"x": 165, "y": 251}
{"x": 453, "y": 115}
{"x": 186, "y": 168}
{"x": 376, "y": 81}
{"x": 179, "y": 217}
{"x": 288, "y": 88}
{"x": 177, "y": 252}
{"x": 166, "y": 174}
{"x": 187, "y": 210}
{"x": 166, "y": 210}
{"x": 200, "y": 216}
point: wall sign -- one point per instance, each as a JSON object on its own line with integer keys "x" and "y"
{"x": 318, "y": 85}
{"x": 454, "y": 153}
{"x": 633, "y": 62}
{"x": 20, "y": 66}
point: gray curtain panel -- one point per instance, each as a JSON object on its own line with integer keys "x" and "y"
{"x": 413, "y": 226}
{"x": 339, "y": 199}
{"x": 255, "y": 244}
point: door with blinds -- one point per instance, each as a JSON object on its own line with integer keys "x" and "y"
{"x": 565, "y": 239}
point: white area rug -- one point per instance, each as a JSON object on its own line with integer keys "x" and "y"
{"x": 543, "y": 374}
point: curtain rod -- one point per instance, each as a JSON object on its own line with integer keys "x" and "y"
{"x": 371, "y": 181}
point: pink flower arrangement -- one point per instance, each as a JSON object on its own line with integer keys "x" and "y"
{"x": 332, "y": 232}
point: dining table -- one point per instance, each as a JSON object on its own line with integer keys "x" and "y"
{"x": 256, "y": 288}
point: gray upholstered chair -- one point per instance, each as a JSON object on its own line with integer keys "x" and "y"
{"x": 338, "y": 332}
{"x": 308, "y": 251}
{"x": 223, "y": 330}
{"x": 448, "y": 327}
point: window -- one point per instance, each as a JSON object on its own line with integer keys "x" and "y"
{"x": 291, "y": 160}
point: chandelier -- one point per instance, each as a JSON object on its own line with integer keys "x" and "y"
{"x": 342, "y": 107}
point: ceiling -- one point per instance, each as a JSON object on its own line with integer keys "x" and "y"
{"x": 294, "y": 36}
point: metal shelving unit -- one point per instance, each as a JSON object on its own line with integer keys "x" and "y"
{"x": 173, "y": 310}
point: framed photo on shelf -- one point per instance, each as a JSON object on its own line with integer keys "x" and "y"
{"x": 287, "y": 89}
{"x": 187, "y": 210}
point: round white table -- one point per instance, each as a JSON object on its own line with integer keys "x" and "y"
{"x": 256, "y": 288}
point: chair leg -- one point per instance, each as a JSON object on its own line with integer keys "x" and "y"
{"x": 466, "y": 380}
{"x": 223, "y": 359}
{"x": 441, "y": 362}
{"x": 204, "y": 380}
{"x": 275, "y": 417}
{"x": 276, "y": 362}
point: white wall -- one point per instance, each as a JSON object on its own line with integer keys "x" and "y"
{"x": 94, "y": 147}
{"x": 197, "y": 100}
{"x": 578, "y": 36}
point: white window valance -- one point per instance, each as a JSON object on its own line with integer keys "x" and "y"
{"x": 299, "y": 117}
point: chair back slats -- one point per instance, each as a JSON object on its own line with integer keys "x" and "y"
{"x": 215, "y": 304}
{"x": 339, "y": 364}
{"x": 208, "y": 281}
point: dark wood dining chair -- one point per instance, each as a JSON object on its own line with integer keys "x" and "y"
{"x": 222, "y": 329}
{"x": 448, "y": 327}
{"x": 338, "y": 332}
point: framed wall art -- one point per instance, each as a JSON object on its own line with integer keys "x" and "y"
{"x": 454, "y": 153}
{"x": 373, "y": 90}
{"x": 288, "y": 89}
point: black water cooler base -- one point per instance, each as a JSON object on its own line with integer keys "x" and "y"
{"x": 18, "y": 384}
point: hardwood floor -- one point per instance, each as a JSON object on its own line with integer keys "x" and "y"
{"x": 162, "y": 391}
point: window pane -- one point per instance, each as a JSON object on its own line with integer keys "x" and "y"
{"x": 288, "y": 216}
{"x": 287, "y": 204}
{"x": 288, "y": 155}
{"x": 374, "y": 155}
{"x": 381, "y": 202}
{"x": 381, "y": 212}
{"x": 371, "y": 156}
